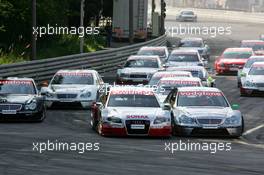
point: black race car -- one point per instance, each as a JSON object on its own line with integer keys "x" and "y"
{"x": 20, "y": 100}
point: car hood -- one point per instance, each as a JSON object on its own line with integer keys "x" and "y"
{"x": 188, "y": 16}
{"x": 72, "y": 88}
{"x": 139, "y": 70}
{"x": 129, "y": 113}
{"x": 11, "y": 98}
{"x": 211, "y": 112}
{"x": 255, "y": 78}
{"x": 176, "y": 64}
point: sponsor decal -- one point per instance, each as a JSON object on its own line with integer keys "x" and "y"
{"x": 132, "y": 92}
{"x": 175, "y": 82}
{"x": 79, "y": 74}
{"x": 137, "y": 117}
{"x": 200, "y": 93}
{"x": 20, "y": 82}
{"x": 171, "y": 75}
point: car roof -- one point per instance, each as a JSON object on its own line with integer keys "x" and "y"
{"x": 252, "y": 41}
{"x": 132, "y": 57}
{"x": 171, "y": 72}
{"x": 77, "y": 71}
{"x": 258, "y": 64}
{"x": 207, "y": 89}
{"x": 256, "y": 57}
{"x": 20, "y": 79}
{"x": 184, "y": 51}
{"x": 239, "y": 49}
{"x": 181, "y": 78}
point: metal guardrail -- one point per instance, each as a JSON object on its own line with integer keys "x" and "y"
{"x": 102, "y": 61}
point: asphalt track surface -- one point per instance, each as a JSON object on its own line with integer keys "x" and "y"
{"x": 138, "y": 155}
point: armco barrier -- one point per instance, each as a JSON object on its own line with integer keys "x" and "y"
{"x": 102, "y": 61}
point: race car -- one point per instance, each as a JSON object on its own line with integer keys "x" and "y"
{"x": 243, "y": 72}
{"x": 186, "y": 15}
{"x": 256, "y": 45}
{"x": 184, "y": 58}
{"x": 138, "y": 69}
{"x": 130, "y": 111}
{"x": 253, "y": 83}
{"x": 204, "y": 111}
{"x": 162, "y": 74}
{"x": 196, "y": 71}
{"x": 73, "y": 87}
{"x": 161, "y": 51}
{"x": 20, "y": 100}
{"x": 196, "y": 44}
{"x": 232, "y": 59}
{"x": 167, "y": 84}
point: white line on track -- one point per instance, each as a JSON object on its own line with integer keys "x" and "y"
{"x": 253, "y": 130}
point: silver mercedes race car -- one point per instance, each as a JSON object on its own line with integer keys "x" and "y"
{"x": 196, "y": 71}
{"x": 186, "y": 15}
{"x": 244, "y": 72}
{"x": 138, "y": 69}
{"x": 184, "y": 58}
{"x": 166, "y": 74}
{"x": 130, "y": 111}
{"x": 253, "y": 82}
{"x": 167, "y": 84}
{"x": 204, "y": 111}
{"x": 72, "y": 87}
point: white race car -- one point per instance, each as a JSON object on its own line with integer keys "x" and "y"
{"x": 161, "y": 51}
{"x": 133, "y": 111}
{"x": 244, "y": 72}
{"x": 162, "y": 74}
{"x": 253, "y": 82}
{"x": 185, "y": 57}
{"x": 167, "y": 84}
{"x": 197, "y": 71}
{"x": 204, "y": 111}
{"x": 138, "y": 69}
{"x": 73, "y": 86}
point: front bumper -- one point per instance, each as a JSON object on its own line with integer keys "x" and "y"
{"x": 199, "y": 131}
{"x": 21, "y": 115}
{"x": 84, "y": 103}
{"x": 251, "y": 90}
{"x": 107, "y": 130}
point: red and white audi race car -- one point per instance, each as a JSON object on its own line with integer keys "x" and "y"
{"x": 131, "y": 111}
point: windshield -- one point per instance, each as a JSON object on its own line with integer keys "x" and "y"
{"x": 187, "y": 13}
{"x": 72, "y": 78}
{"x": 147, "y": 63}
{"x": 191, "y": 44}
{"x": 239, "y": 55}
{"x": 121, "y": 100}
{"x": 159, "y": 52}
{"x": 165, "y": 86}
{"x": 201, "y": 98}
{"x": 184, "y": 58}
{"x": 251, "y": 61}
{"x": 155, "y": 79}
{"x": 17, "y": 87}
{"x": 257, "y": 70}
{"x": 254, "y": 46}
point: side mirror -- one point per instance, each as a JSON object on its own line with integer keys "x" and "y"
{"x": 44, "y": 90}
{"x": 235, "y": 106}
{"x": 166, "y": 106}
{"x": 44, "y": 84}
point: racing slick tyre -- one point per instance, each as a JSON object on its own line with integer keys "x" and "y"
{"x": 40, "y": 118}
{"x": 99, "y": 128}
{"x": 93, "y": 123}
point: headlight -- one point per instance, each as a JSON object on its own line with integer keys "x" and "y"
{"x": 114, "y": 119}
{"x": 234, "y": 120}
{"x": 160, "y": 120}
{"x": 186, "y": 120}
{"x": 123, "y": 75}
{"x": 50, "y": 95}
{"x": 86, "y": 95}
{"x": 32, "y": 105}
{"x": 250, "y": 84}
